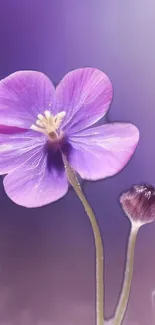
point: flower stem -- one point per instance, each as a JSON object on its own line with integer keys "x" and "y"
{"x": 125, "y": 293}
{"x": 98, "y": 242}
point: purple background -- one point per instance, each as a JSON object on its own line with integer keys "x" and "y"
{"x": 47, "y": 254}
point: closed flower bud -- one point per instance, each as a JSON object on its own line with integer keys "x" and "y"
{"x": 138, "y": 204}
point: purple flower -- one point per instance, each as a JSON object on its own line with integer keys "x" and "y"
{"x": 138, "y": 204}
{"x": 49, "y": 121}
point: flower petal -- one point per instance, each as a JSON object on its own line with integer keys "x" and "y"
{"x": 23, "y": 95}
{"x": 18, "y": 146}
{"x": 85, "y": 95}
{"x": 5, "y": 129}
{"x": 37, "y": 182}
{"x": 102, "y": 151}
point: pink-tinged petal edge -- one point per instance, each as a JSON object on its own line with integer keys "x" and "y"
{"x": 85, "y": 95}
{"x": 5, "y": 129}
{"x": 103, "y": 151}
{"x": 24, "y": 95}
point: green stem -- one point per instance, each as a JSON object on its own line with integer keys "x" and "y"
{"x": 125, "y": 293}
{"x": 98, "y": 242}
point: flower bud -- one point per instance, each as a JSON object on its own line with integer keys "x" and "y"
{"x": 138, "y": 203}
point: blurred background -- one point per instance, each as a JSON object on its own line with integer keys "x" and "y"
{"x": 47, "y": 274}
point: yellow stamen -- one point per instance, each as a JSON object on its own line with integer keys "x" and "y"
{"x": 48, "y": 123}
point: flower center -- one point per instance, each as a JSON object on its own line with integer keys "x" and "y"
{"x": 49, "y": 124}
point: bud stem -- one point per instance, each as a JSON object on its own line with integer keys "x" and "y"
{"x": 125, "y": 292}
{"x": 98, "y": 242}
